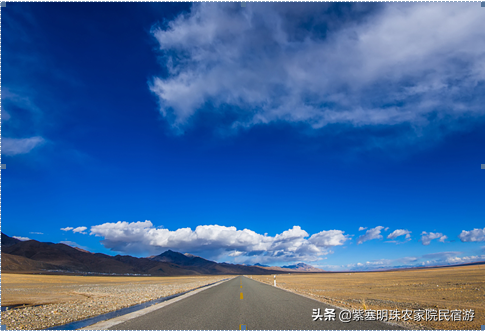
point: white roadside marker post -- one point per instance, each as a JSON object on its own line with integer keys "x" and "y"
{"x": 275, "y": 280}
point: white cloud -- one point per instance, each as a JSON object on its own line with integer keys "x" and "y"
{"x": 328, "y": 238}
{"x": 399, "y": 232}
{"x": 441, "y": 255}
{"x": 408, "y": 260}
{"x": 329, "y": 267}
{"x": 450, "y": 257}
{"x": 259, "y": 61}
{"x": 291, "y": 240}
{"x": 20, "y": 100}
{"x": 218, "y": 241}
{"x": 466, "y": 259}
{"x": 36, "y": 233}
{"x": 371, "y": 234}
{"x": 433, "y": 259}
{"x": 14, "y": 146}
{"x": 21, "y": 238}
{"x": 235, "y": 253}
{"x": 362, "y": 228}
{"x": 476, "y": 235}
{"x": 80, "y": 230}
{"x": 75, "y": 230}
{"x": 427, "y": 237}
{"x": 379, "y": 262}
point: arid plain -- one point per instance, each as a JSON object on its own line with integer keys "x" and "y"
{"x": 52, "y": 300}
{"x": 435, "y": 288}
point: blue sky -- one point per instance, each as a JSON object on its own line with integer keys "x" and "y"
{"x": 343, "y": 135}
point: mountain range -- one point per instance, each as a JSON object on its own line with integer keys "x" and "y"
{"x": 47, "y": 257}
{"x": 302, "y": 267}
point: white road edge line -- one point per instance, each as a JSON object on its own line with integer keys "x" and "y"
{"x": 106, "y": 324}
{"x": 319, "y": 301}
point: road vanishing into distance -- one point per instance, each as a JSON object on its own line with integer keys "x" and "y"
{"x": 243, "y": 301}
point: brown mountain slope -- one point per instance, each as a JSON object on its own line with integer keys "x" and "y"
{"x": 205, "y": 266}
{"x": 67, "y": 258}
{"x": 182, "y": 259}
{"x": 51, "y": 256}
{"x": 13, "y": 263}
{"x": 148, "y": 266}
{"x": 8, "y": 241}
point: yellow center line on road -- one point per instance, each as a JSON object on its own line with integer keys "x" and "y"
{"x": 241, "y": 286}
{"x": 241, "y": 296}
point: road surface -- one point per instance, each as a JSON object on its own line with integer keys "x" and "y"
{"x": 243, "y": 301}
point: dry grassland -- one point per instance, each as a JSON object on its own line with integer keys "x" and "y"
{"x": 440, "y": 288}
{"x": 52, "y": 300}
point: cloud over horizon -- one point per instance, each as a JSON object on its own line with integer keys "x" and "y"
{"x": 433, "y": 259}
{"x": 219, "y": 241}
{"x": 412, "y": 64}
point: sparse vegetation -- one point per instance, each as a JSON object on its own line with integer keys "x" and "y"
{"x": 461, "y": 287}
{"x": 59, "y": 299}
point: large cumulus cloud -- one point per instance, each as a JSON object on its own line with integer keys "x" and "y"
{"x": 216, "y": 241}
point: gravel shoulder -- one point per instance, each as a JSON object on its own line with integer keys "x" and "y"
{"x": 447, "y": 289}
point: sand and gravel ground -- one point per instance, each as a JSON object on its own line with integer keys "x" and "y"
{"x": 449, "y": 288}
{"x": 52, "y": 300}
{"x": 56, "y": 300}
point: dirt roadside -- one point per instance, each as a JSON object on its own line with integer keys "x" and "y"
{"x": 452, "y": 288}
{"x": 51, "y": 300}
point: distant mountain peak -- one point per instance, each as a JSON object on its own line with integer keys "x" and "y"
{"x": 8, "y": 241}
{"x": 190, "y": 255}
{"x": 83, "y": 250}
{"x": 174, "y": 257}
{"x": 34, "y": 256}
{"x": 302, "y": 267}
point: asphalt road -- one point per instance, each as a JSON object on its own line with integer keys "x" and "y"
{"x": 260, "y": 307}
